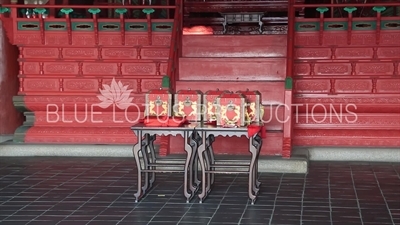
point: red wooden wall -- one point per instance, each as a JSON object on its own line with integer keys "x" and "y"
{"x": 350, "y": 67}
{"x": 63, "y": 70}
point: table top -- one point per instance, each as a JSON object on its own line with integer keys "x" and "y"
{"x": 201, "y": 126}
{"x": 142, "y": 126}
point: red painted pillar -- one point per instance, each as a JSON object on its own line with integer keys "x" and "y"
{"x": 10, "y": 118}
{"x": 288, "y": 113}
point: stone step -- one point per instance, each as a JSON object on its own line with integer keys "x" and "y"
{"x": 271, "y": 46}
{"x": 232, "y": 69}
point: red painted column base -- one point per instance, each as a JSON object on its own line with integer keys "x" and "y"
{"x": 287, "y": 147}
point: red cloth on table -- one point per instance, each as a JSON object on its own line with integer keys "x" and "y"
{"x": 164, "y": 121}
{"x": 254, "y": 129}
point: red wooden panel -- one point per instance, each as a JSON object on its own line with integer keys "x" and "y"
{"x": 272, "y": 92}
{"x": 88, "y": 39}
{"x": 388, "y": 86}
{"x": 85, "y": 135}
{"x": 354, "y": 138}
{"x": 86, "y": 117}
{"x": 372, "y": 68}
{"x": 61, "y": 68}
{"x": 161, "y": 39}
{"x": 339, "y": 38}
{"x": 136, "y": 39}
{"x": 110, "y": 39}
{"x": 332, "y": 69}
{"x": 313, "y": 53}
{"x": 144, "y": 68}
{"x": 332, "y": 38}
{"x": 30, "y": 68}
{"x": 302, "y": 69}
{"x": 354, "y": 53}
{"x": 80, "y": 53}
{"x": 82, "y": 39}
{"x": 363, "y": 38}
{"x": 154, "y": 53}
{"x": 100, "y": 68}
{"x": 27, "y": 38}
{"x": 272, "y": 145}
{"x": 234, "y": 46}
{"x": 41, "y": 53}
{"x": 353, "y": 86}
{"x": 273, "y": 117}
{"x": 239, "y": 69}
{"x": 40, "y": 85}
{"x": 119, "y": 53}
{"x": 388, "y": 52}
{"x": 80, "y": 85}
{"x": 346, "y": 118}
{"x": 306, "y": 39}
{"x": 164, "y": 68}
{"x": 150, "y": 84}
{"x": 132, "y": 84}
{"x": 362, "y": 103}
{"x": 56, "y": 38}
{"x": 390, "y": 38}
{"x": 38, "y": 102}
{"x": 312, "y": 86}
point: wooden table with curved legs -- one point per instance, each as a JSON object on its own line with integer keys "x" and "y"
{"x": 148, "y": 166}
{"x": 209, "y": 164}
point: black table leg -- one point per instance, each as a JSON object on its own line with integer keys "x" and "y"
{"x": 210, "y": 150}
{"x": 187, "y": 169}
{"x": 201, "y": 150}
{"x": 253, "y": 151}
{"x": 153, "y": 158}
{"x": 146, "y": 162}
{"x": 258, "y": 145}
{"x": 195, "y": 141}
{"x": 136, "y": 149}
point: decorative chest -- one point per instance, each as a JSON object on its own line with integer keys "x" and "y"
{"x": 188, "y": 104}
{"x": 231, "y": 110}
{"x": 253, "y": 99}
{"x": 210, "y": 104}
{"x": 158, "y": 103}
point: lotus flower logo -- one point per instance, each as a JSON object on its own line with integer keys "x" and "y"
{"x": 115, "y": 94}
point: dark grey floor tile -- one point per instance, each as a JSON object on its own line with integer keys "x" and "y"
{"x": 100, "y": 191}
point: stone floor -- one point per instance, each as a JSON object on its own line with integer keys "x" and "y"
{"x": 74, "y": 191}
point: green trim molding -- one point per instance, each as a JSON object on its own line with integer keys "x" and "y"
{"x": 306, "y": 26}
{"x": 89, "y": 26}
{"x": 333, "y": 26}
{"x": 390, "y": 25}
{"x": 288, "y": 83}
{"x": 55, "y": 26}
{"x": 136, "y": 27}
{"x": 109, "y": 26}
{"x": 20, "y": 134}
{"x": 19, "y": 103}
{"x": 166, "y": 83}
{"x": 28, "y": 25}
{"x": 162, "y": 26}
{"x": 82, "y": 26}
{"x": 361, "y": 25}
{"x": 343, "y": 26}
